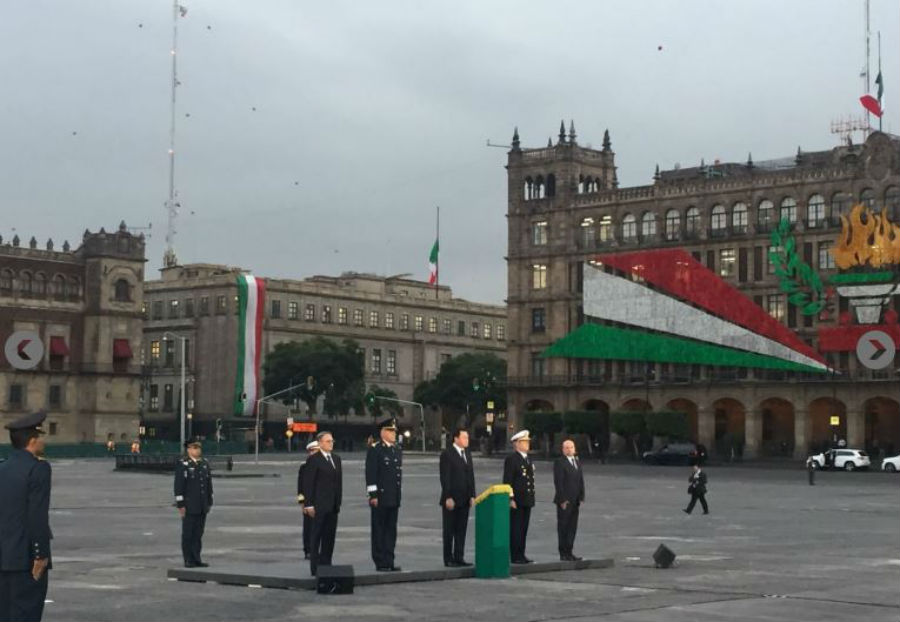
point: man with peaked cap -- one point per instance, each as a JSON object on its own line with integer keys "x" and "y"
{"x": 24, "y": 522}
{"x": 311, "y": 448}
{"x": 193, "y": 498}
{"x": 384, "y": 470}
{"x": 518, "y": 472}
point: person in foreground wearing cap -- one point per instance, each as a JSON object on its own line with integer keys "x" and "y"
{"x": 324, "y": 490}
{"x": 193, "y": 498}
{"x": 384, "y": 465}
{"x": 457, "y": 496}
{"x": 568, "y": 480}
{"x": 518, "y": 472}
{"x": 311, "y": 448}
{"x": 24, "y": 522}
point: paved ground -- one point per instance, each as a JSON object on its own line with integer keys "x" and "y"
{"x": 773, "y": 548}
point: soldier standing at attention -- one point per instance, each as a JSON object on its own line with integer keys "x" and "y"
{"x": 24, "y": 522}
{"x": 384, "y": 465}
{"x": 194, "y": 498}
{"x": 302, "y": 491}
{"x": 518, "y": 472}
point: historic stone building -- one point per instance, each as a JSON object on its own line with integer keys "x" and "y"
{"x": 565, "y": 209}
{"x": 406, "y": 329}
{"x": 85, "y": 305}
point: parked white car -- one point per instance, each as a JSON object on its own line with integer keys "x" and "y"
{"x": 891, "y": 465}
{"x": 847, "y": 459}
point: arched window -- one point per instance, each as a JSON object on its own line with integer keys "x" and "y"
{"x": 718, "y": 220}
{"x": 26, "y": 283}
{"x": 529, "y": 189}
{"x": 6, "y": 281}
{"x": 122, "y": 291}
{"x": 765, "y": 215}
{"x": 840, "y": 204}
{"x": 73, "y": 290}
{"x": 692, "y": 221}
{"x": 867, "y": 198}
{"x": 629, "y": 228}
{"x": 788, "y": 210}
{"x": 648, "y": 225}
{"x": 606, "y": 229}
{"x": 673, "y": 224}
{"x": 58, "y": 286}
{"x": 815, "y": 211}
{"x": 892, "y": 203}
{"x": 739, "y": 217}
{"x": 40, "y": 284}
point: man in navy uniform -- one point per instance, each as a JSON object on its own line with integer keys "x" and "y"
{"x": 24, "y": 522}
{"x": 384, "y": 469}
{"x": 311, "y": 448}
{"x": 457, "y": 496}
{"x": 193, "y": 498}
{"x": 568, "y": 480}
{"x": 518, "y": 472}
{"x": 324, "y": 492}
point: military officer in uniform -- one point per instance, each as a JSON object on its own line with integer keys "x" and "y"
{"x": 24, "y": 522}
{"x": 518, "y": 472}
{"x": 193, "y": 498}
{"x": 384, "y": 465}
{"x": 311, "y": 448}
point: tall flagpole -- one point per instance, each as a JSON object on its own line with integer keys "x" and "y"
{"x": 437, "y": 280}
{"x": 169, "y": 259}
{"x": 881, "y": 84}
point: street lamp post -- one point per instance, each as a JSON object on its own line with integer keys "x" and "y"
{"x": 183, "y": 384}
{"x": 259, "y": 403}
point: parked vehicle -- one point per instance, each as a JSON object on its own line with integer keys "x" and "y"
{"x": 891, "y": 465}
{"x": 847, "y": 459}
{"x": 676, "y": 453}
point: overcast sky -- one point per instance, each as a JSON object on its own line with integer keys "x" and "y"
{"x": 321, "y": 136}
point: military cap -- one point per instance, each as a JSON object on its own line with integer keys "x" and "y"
{"x": 28, "y": 422}
{"x": 312, "y": 445}
{"x": 388, "y": 424}
{"x": 194, "y": 440}
{"x": 520, "y": 436}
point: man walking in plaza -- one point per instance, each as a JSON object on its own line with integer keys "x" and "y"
{"x": 518, "y": 472}
{"x": 568, "y": 480}
{"x": 193, "y": 498}
{"x": 24, "y": 522}
{"x": 384, "y": 471}
{"x": 324, "y": 487}
{"x": 697, "y": 490}
{"x": 311, "y": 448}
{"x": 457, "y": 496}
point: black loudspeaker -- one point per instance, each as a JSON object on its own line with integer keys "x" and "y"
{"x": 334, "y": 579}
{"x": 663, "y": 556}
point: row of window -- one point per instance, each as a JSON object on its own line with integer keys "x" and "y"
{"x": 388, "y": 320}
{"x": 17, "y": 393}
{"x": 163, "y": 352}
{"x": 722, "y": 220}
{"x": 28, "y": 283}
{"x": 390, "y": 367}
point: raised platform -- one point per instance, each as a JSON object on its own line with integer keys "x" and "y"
{"x": 296, "y": 576}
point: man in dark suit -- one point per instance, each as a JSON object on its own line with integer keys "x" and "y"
{"x": 324, "y": 487}
{"x": 457, "y": 496}
{"x": 697, "y": 490}
{"x": 518, "y": 472}
{"x": 384, "y": 472}
{"x": 24, "y": 522}
{"x": 568, "y": 480}
{"x": 311, "y": 448}
{"x": 193, "y": 498}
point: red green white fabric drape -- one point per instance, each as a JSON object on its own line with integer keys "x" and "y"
{"x": 433, "y": 264}
{"x": 251, "y": 305}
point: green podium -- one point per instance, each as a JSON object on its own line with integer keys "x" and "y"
{"x": 492, "y": 532}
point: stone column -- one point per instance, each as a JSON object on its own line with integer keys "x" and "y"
{"x": 706, "y": 428}
{"x": 856, "y": 429}
{"x": 752, "y": 433}
{"x": 801, "y": 439}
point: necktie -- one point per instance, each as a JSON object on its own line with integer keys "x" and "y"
{"x": 328, "y": 457}
{"x": 462, "y": 454}
{"x": 574, "y": 466}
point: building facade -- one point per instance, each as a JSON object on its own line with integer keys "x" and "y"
{"x": 566, "y": 209}
{"x": 85, "y": 306}
{"x": 405, "y": 329}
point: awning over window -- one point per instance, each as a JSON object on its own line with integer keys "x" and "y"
{"x": 121, "y": 349}
{"x": 58, "y": 346}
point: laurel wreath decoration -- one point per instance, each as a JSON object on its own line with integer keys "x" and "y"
{"x": 796, "y": 278}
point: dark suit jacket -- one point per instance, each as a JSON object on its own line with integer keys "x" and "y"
{"x": 301, "y": 480}
{"x": 569, "y": 482}
{"x": 323, "y": 483}
{"x": 457, "y": 477}
{"x": 24, "y": 511}
{"x": 698, "y": 483}
{"x": 518, "y": 472}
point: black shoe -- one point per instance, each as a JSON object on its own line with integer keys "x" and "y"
{"x": 463, "y": 563}
{"x": 395, "y": 569}
{"x": 190, "y": 565}
{"x": 575, "y": 558}
{"x": 527, "y": 561}
{"x": 383, "y": 568}
{"x": 201, "y": 565}
{"x": 706, "y": 512}
{"x": 521, "y": 560}
{"x": 686, "y": 511}
{"x": 451, "y": 564}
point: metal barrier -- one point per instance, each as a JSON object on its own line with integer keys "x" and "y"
{"x": 165, "y": 462}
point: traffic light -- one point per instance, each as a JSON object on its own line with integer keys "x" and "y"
{"x": 370, "y": 401}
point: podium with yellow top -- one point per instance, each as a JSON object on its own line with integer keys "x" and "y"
{"x": 492, "y": 532}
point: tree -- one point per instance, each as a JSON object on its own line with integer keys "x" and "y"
{"x": 629, "y": 425}
{"x": 470, "y": 379}
{"x": 377, "y": 407}
{"x": 323, "y": 366}
{"x": 671, "y": 425}
{"x": 544, "y": 425}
